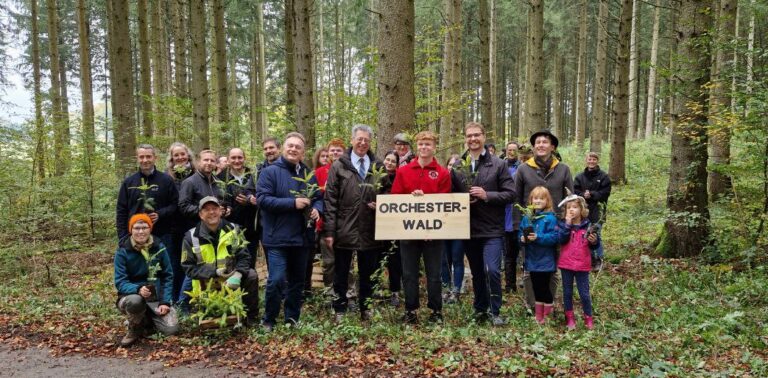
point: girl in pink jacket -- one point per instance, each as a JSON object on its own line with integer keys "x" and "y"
{"x": 579, "y": 240}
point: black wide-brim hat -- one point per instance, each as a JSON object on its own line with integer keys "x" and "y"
{"x": 546, "y": 133}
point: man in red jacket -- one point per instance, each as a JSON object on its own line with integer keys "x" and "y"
{"x": 422, "y": 175}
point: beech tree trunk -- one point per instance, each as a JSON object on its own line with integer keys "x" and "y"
{"x": 397, "y": 102}
{"x": 599, "y": 95}
{"x": 633, "y": 65}
{"x": 720, "y": 101}
{"x": 303, "y": 74}
{"x": 86, "y": 87}
{"x": 198, "y": 55}
{"x": 145, "y": 70}
{"x": 686, "y": 230}
{"x": 125, "y": 121}
{"x": 621, "y": 100}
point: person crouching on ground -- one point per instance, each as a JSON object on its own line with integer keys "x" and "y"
{"x": 579, "y": 240}
{"x": 540, "y": 236}
{"x": 144, "y": 282}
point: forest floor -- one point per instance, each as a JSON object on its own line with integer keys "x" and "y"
{"x": 654, "y": 317}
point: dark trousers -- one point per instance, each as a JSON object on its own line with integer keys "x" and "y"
{"x": 394, "y": 266}
{"x": 250, "y": 284}
{"x": 512, "y": 251}
{"x": 453, "y": 264}
{"x": 484, "y": 255}
{"x": 582, "y": 283}
{"x": 411, "y": 253}
{"x": 172, "y": 244}
{"x": 540, "y": 282}
{"x": 287, "y": 266}
{"x": 367, "y": 262}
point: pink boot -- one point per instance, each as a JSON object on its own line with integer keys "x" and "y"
{"x": 570, "y": 322}
{"x": 548, "y": 308}
{"x": 588, "y": 322}
{"x": 539, "y": 311}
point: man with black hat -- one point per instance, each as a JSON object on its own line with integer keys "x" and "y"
{"x": 543, "y": 169}
{"x": 215, "y": 249}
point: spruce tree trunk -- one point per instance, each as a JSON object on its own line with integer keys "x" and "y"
{"x": 720, "y": 101}
{"x": 397, "y": 33}
{"x": 86, "y": 87}
{"x": 258, "y": 77}
{"x": 198, "y": 55}
{"x": 60, "y": 131}
{"x": 633, "y": 66}
{"x": 581, "y": 81}
{"x": 535, "y": 83}
{"x": 557, "y": 92}
{"x": 220, "y": 38}
{"x": 686, "y": 230}
{"x": 450, "y": 123}
{"x": 621, "y": 100}
{"x": 39, "y": 161}
{"x": 159, "y": 61}
{"x": 145, "y": 71}
{"x": 650, "y": 104}
{"x": 179, "y": 11}
{"x": 486, "y": 101}
{"x": 599, "y": 95}
{"x": 290, "y": 65}
{"x": 303, "y": 74}
{"x": 125, "y": 121}
{"x": 496, "y": 104}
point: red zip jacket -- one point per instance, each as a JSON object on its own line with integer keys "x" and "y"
{"x": 431, "y": 179}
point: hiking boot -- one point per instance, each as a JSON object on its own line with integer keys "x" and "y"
{"x": 267, "y": 327}
{"x": 452, "y": 297}
{"x": 133, "y": 334}
{"x": 498, "y": 321}
{"x": 410, "y": 317}
{"x": 394, "y": 300}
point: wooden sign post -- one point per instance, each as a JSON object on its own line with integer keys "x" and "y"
{"x": 431, "y": 216}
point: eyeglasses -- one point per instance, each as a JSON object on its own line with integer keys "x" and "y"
{"x": 475, "y": 135}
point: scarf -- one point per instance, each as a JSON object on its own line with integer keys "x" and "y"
{"x": 544, "y": 165}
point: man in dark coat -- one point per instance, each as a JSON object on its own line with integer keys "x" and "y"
{"x": 287, "y": 235}
{"x": 594, "y": 185}
{"x": 490, "y": 188}
{"x": 349, "y": 226}
{"x": 239, "y": 191}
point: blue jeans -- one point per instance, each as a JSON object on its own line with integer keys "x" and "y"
{"x": 484, "y": 255}
{"x": 582, "y": 283}
{"x": 453, "y": 262}
{"x": 287, "y": 266}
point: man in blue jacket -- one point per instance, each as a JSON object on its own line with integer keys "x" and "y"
{"x": 287, "y": 216}
{"x": 151, "y": 192}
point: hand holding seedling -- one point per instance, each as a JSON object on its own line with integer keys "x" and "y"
{"x": 145, "y": 292}
{"x": 301, "y": 203}
{"x": 241, "y": 199}
{"x": 478, "y": 193}
{"x": 314, "y": 215}
{"x": 531, "y": 237}
{"x": 592, "y": 238}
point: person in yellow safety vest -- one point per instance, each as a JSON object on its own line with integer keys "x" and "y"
{"x": 214, "y": 249}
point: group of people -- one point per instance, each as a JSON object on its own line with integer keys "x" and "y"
{"x": 200, "y": 223}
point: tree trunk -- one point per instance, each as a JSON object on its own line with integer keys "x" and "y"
{"x": 633, "y": 65}
{"x": 303, "y": 74}
{"x": 145, "y": 72}
{"x": 159, "y": 61}
{"x": 290, "y": 65}
{"x": 179, "y": 11}
{"x": 86, "y": 87}
{"x": 621, "y": 102}
{"x": 493, "y": 46}
{"x": 125, "y": 127}
{"x": 720, "y": 101}
{"x": 486, "y": 101}
{"x": 220, "y": 38}
{"x": 650, "y": 116}
{"x": 750, "y": 53}
{"x": 535, "y": 83}
{"x": 201, "y": 139}
{"x": 598, "y": 114}
{"x": 39, "y": 161}
{"x": 686, "y": 230}
{"x": 557, "y": 91}
{"x": 581, "y": 81}
{"x": 258, "y": 78}
{"x": 450, "y": 123}
{"x": 60, "y": 132}
{"x": 396, "y": 70}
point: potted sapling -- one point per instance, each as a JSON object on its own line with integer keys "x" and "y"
{"x": 153, "y": 266}
{"x": 464, "y": 168}
{"x": 529, "y": 212}
{"x": 308, "y": 191}
{"x": 217, "y": 306}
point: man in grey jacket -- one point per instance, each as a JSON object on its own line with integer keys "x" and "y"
{"x": 490, "y": 188}
{"x": 543, "y": 169}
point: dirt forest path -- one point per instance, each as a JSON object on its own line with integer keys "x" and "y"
{"x": 35, "y": 362}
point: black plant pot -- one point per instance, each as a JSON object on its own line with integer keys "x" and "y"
{"x": 152, "y": 291}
